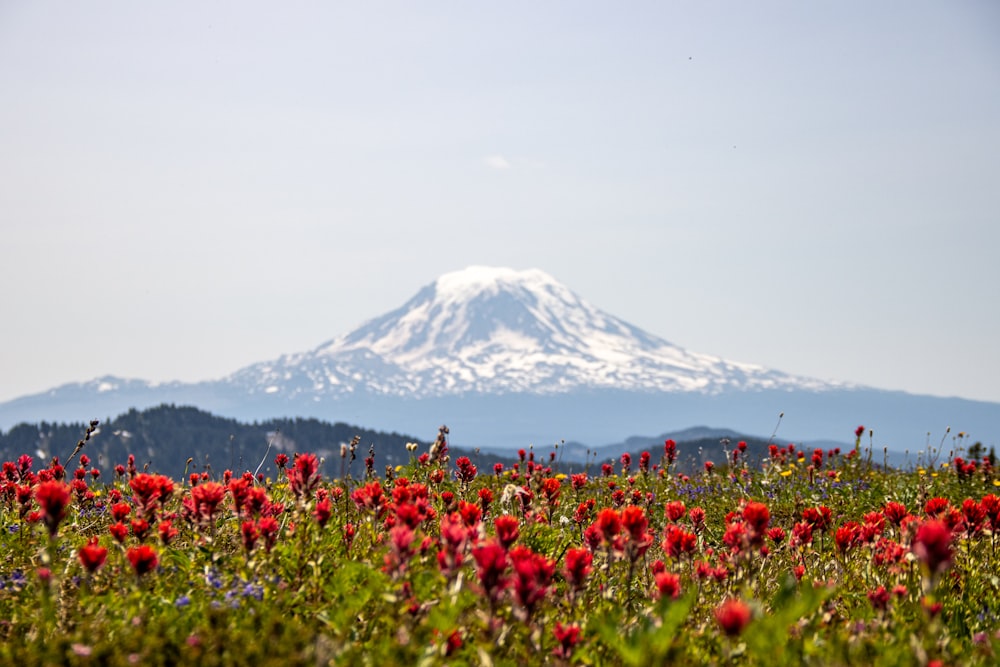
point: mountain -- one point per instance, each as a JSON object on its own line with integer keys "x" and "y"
{"x": 499, "y": 331}
{"x": 507, "y": 358}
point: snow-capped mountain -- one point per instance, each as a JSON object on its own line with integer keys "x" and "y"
{"x": 507, "y": 358}
{"x": 498, "y": 331}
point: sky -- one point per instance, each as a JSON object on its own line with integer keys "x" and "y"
{"x": 187, "y": 188}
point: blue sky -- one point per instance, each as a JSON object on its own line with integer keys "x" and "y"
{"x": 191, "y": 187}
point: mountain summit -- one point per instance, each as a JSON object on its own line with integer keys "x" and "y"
{"x": 489, "y": 330}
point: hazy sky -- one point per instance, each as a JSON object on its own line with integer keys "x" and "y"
{"x": 190, "y": 187}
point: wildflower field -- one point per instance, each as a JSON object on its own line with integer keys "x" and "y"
{"x": 814, "y": 557}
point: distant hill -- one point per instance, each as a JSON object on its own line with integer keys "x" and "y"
{"x": 163, "y": 438}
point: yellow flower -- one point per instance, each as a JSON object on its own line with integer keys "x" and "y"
{"x": 561, "y": 476}
{"x": 786, "y": 473}
{"x": 921, "y": 472}
{"x": 996, "y": 482}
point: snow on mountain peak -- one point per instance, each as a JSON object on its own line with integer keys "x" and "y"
{"x": 499, "y": 330}
{"x": 478, "y": 279}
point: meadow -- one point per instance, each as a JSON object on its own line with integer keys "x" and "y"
{"x": 813, "y": 557}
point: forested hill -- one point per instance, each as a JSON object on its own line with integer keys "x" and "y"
{"x": 165, "y": 437}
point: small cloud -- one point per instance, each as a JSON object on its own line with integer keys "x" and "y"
{"x": 497, "y": 162}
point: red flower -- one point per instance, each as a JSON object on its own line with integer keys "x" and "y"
{"x": 847, "y": 536}
{"x": 551, "y": 488}
{"x": 991, "y": 505}
{"x": 119, "y": 511}
{"x": 668, "y": 585}
{"x": 733, "y": 617}
{"x": 151, "y": 491}
{"x": 670, "y": 451}
{"x": 249, "y": 534}
{"x": 466, "y": 470}
{"x": 533, "y": 575}
{"x": 485, "y": 498}
{"x": 167, "y": 531}
{"x": 936, "y": 506}
{"x": 735, "y": 536}
{"x": 678, "y": 542}
{"x": 508, "y": 530}
{"x": 304, "y": 476}
{"x": 879, "y": 598}
{"x": 454, "y": 643}
{"x": 819, "y": 517}
{"x": 697, "y": 516}
{"x": 119, "y": 531}
{"x": 578, "y": 565}
{"x": 609, "y": 523}
{"x": 139, "y": 528}
{"x": 802, "y": 533}
{"x": 206, "y": 500}
{"x": 674, "y": 510}
{"x": 471, "y": 513}
{"x": 369, "y": 497}
{"x": 92, "y": 555}
{"x": 567, "y": 636}
{"x": 268, "y": 527}
{"x": 758, "y": 516}
{"x": 323, "y": 511}
{"x": 53, "y": 497}
{"x": 491, "y": 564}
{"x": 974, "y": 514}
{"x": 633, "y": 519}
{"x": 932, "y": 545}
{"x": 143, "y": 559}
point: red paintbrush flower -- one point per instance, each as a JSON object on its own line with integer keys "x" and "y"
{"x": 932, "y": 545}
{"x": 532, "y": 577}
{"x": 819, "y": 517}
{"x": 151, "y": 491}
{"x": 303, "y": 476}
{"x": 674, "y": 510}
{"x": 757, "y": 516}
{"x": 119, "y": 531}
{"x": 491, "y": 565}
{"x": 53, "y": 498}
{"x": 323, "y": 511}
{"x": 567, "y": 636}
{"x": 166, "y": 531}
{"x": 507, "y": 529}
{"x": 609, "y": 524}
{"x": 733, "y": 617}
{"x": 206, "y": 499}
{"x": 92, "y": 555}
{"x": 668, "y": 585}
{"x": 143, "y": 559}
{"x": 268, "y": 527}
{"x": 578, "y": 565}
